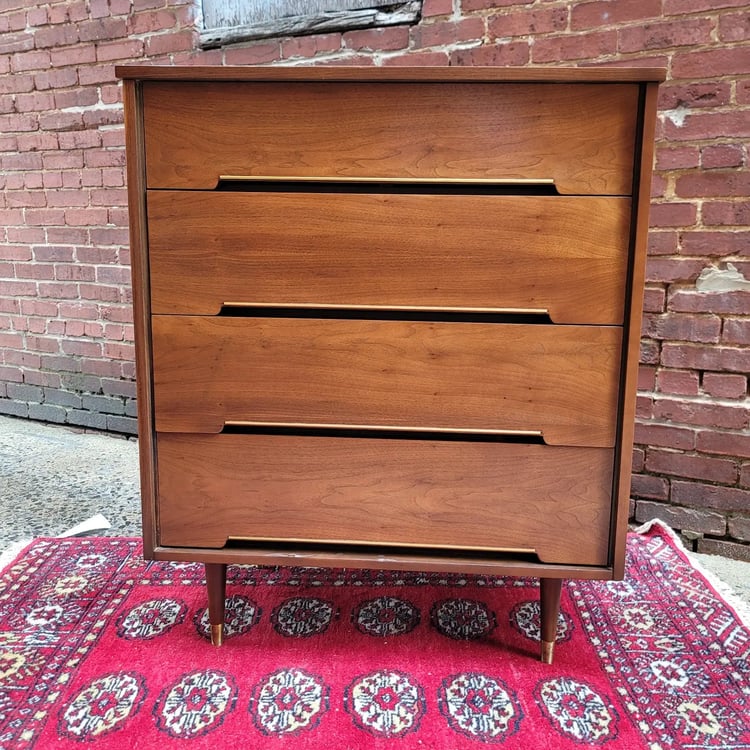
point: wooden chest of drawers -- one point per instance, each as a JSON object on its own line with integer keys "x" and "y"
{"x": 388, "y": 318}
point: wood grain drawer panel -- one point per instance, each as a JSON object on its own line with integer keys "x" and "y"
{"x": 562, "y": 380}
{"x": 400, "y": 492}
{"x": 580, "y": 135}
{"x": 567, "y": 255}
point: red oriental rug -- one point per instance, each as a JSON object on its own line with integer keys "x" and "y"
{"x": 98, "y": 647}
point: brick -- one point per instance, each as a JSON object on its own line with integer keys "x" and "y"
{"x": 677, "y": 382}
{"x": 13, "y": 408}
{"x": 673, "y": 269}
{"x": 512, "y": 53}
{"x": 720, "y": 213}
{"x": 34, "y": 102}
{"x": 56, "y": 36}
{"x": 684, "y": 327}
{"x": 125, "y": 388}
{"x": 684, "y": 519}
{"x": 736, "y": 331}
{"x": 724, "y": 385}
{"x": 94, "y": 74}
{"x": 739, "y": 527}
{"x": 71, "y": 272}
{"x": 574, "y": 47}
{"x": 95, "y": 30}
{"x": 734, "y": 27}
{"x": 47, "y": 413}
{"x": 699, "y": 495}
{"x": 666, "y": 34}
{"x": 84, "y": 418}
{"x": 389, "y": 38}
{"x": 119, "y": 50}
{"x": 665, "y": 436}
{"x": 254, "y": 54}
{"x": 682, "y": 157}
{"x": 119, "y": 351}
{"x": 673, "y": 214}
{"x": 725, "y": 549}
{"x": 723, "y": 61}
{"x": 654, "y": 299}
{"x": 644, "y": 407}
{"x": 731, "y": 303}
{"x": 715, "y": 243}
{"x": 722, "y": 156}
{"x": 34, "y": 60}
{"x": 103, "y": 404}
{"x": 436, "y": 8}
{"x": 85, "y": 216}
{"x": 720, "y": 470}
{"x": 126, "y": 425}
{"x": 62, "y": 398}
{"x": 149, "y": 21}
{"x": 607, "y": 13}
{"x": 645, "y": 485}
{"x": 745, "y": 475}
{"x": 713, "y": 184}
{"x": 705, "y": 357}
{"x": 638, "y": 459}
{"x": 646, "y": 378}
{"x": 682, "y": 7}
{"x": 44, "y": 379}
{"x": 309, "y": 46}
{"x": 528, "y": 22}
{"x": 163, "y": 44}
{"x": 447, "y": 32}
{"x": 707, "y": 125}
{"x": 650, "y": 352}
{"x": 104, "y": 368}
{"x": 23, "y": 392}
{"x": 723, "y": 443}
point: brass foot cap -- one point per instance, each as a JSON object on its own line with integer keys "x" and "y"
{"x": 217, "y": 634}
{"x": 548, "y": 649}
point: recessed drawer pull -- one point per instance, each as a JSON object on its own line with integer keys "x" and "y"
{"x": 387, "y": 180}
{"x": 386, "y": 544}
{"x": 319, "y": 183}
{"x": 386, "y": 312}
{"x": 391, "y": 431}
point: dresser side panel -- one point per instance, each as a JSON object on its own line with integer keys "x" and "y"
{"x": 136, "y": 185}
{"x": 632, "y": 333}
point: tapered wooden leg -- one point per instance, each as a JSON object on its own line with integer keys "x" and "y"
{"x": 216, "y": 583}
{"x": 549, "y": 605}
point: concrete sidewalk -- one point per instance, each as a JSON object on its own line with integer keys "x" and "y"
{"x": 52, "y": 478}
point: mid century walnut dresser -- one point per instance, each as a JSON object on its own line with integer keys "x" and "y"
{"x": 388, "y": 318}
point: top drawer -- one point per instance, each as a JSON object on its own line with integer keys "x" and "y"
{"x": 579, "y": 135}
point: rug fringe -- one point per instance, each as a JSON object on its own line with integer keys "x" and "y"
{"x": 725, "y": 591}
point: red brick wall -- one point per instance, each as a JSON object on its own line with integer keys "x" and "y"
{"x": 66, "y": 352}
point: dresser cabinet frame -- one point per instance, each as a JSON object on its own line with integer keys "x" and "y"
{"x": 216, "y": 560}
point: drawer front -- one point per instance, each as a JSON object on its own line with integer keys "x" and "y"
{"x": 430, "y": 494}
{"x": 561, "y": 380}
{"x": 579, "y": 135}
{"x": 565, "y": 255}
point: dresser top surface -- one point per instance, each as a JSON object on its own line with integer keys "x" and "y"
{"x": 406, "y": 74}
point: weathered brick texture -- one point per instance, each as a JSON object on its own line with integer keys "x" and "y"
{"x": 66, "y": 351}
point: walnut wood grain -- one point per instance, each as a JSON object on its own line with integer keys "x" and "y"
{"x": 410, "y": 492}
{"x": 141, "y": 308}
{"x": 580, "y": 135}
{"x": 632, "y": 333}
{"x": 566, "y": 255}
{"x": 558, "y": 379}
{"x": 431, "y": 74}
